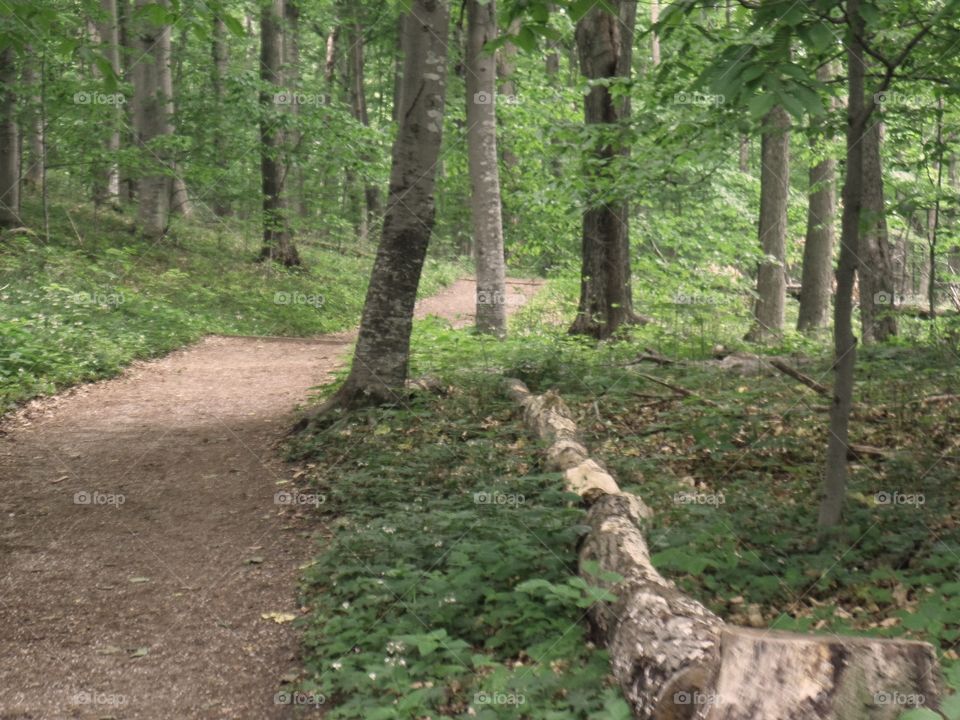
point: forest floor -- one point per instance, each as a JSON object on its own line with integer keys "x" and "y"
{"x": 149, "y": 569}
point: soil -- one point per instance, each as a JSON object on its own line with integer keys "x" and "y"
{"x": 147, "y": 569}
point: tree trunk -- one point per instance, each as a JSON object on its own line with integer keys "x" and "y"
{"x": 33, "y": 120}
{"x": 816, "y": 284}
{"x": 179, "y": 197}
{"x": 152, "y": 112}
{"x": 654, "y": 35}
{"x": 676, "y": 660}
{"x": 743, "y": 158}
{"x": 485, "y": 209}
{"x": 277, "y": 235}
{"x": 107, "y": 186}
{"x": 398, "y": 70}
{"x": 774, "y": 194}
{"x": 294, "y": 138}
{"x": 128, "y": 49}
{"x": 844, "y": 341}
{"x": 876, "y": 275}
{"x": 358, "y": 103}
{"x": 606, "y": 300}
{"x": 9, "y": 142}
{"x": 219, "y": 54}
{"x": 379, "y": 367}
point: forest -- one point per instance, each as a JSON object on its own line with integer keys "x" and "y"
{"x": 546, "y": 360}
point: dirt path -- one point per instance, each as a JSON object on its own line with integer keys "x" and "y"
{"x": 141, "y": 544}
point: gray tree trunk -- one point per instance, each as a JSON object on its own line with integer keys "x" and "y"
{"x": 9, "y": 142}
{"x": 491, "y": 317}
{"x": 379, "y": 367}
{"x": 876, "y": 271}
{"x": 606, "y": 298}
{"x": 277, "y": 235}
{"x": 152, "y": 113}
{"x": 743, "y": 157}
{"x": 107, "y": 186}
{"x": 654, "y": 36}
{"x": 768, "y": 310}
{"x": 816, "y": 284}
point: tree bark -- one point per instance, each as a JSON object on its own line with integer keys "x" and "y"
{"x": 9, "y": 142}
{"x": 491, "y": 313}
{"x": 816, "y": 283}
{"x": 606, "y": 299}
{"x": 676, "y": 660}
{"x": 876, "y": 274}
{"x": 128, "y": 49}
{"x": 379, "y": 367}
{"x": 768, "y": 310}
{"x": 152, "y": 112}
{"x": 277, "y": 235}
{"x": 743, "y": 157}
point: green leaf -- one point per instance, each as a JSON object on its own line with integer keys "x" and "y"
{"x": 760, "y": 105}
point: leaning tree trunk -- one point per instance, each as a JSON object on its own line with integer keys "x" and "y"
{"x": 816, "y": 282}
{"x": 277, "y": 235}
{"x": 768, "y": 310}
{"x": 484, "y": 171}
{"x": 606, "y": 299}
{"x": 379, "y": 367}
{"x": 152, "y": 112}
{"x": 9, "y": 142}
{"x": 876, "y": 270}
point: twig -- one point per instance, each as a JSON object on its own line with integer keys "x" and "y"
{"x": 800, "y": 377}
{"x": 679, "y": 390}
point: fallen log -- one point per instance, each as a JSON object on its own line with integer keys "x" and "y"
{"x": 674, "y": 659}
